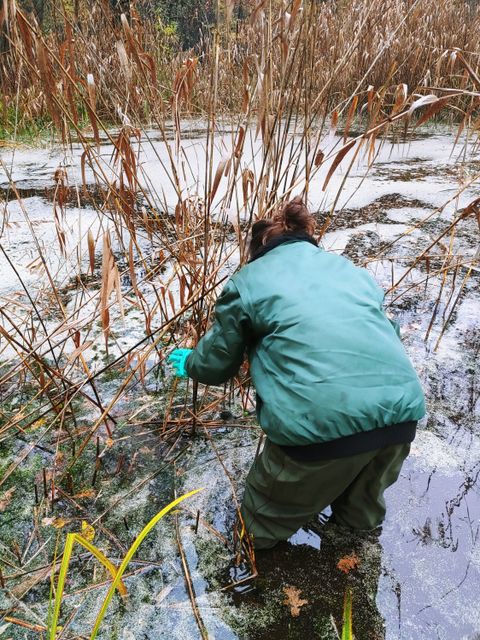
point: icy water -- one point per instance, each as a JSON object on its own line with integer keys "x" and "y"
{"x": 419, "y": 580}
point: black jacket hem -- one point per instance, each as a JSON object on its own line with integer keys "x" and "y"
{"x": 401, "y": 433}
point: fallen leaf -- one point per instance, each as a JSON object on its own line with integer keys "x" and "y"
{"x": 160, "y": 597}
{"x": 347, "y": 563}
{"x": 57, "y": 523}
{"x": 88, "y": 493}
{"x": 293, "y": 600}
{"x": 6, "y": 498}
{"x": 38, "y": 423}
{"x": 60, "y": 459}
{"x": 88, "y": 532}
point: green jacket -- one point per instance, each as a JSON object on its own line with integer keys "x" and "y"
{"x": 324, "y": 359}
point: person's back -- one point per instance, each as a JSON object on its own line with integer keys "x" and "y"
{"x": 337, "y": 395}
{"x": 326, "y": 362}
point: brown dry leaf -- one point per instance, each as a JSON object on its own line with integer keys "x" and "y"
{"x": 248, "y": 183}
{"x": 334, "y": 121}
{"x": 88, "y": 493}
{"x": 370, "y": 96}
{"x": 149, "y": 63}
{"x": 6, "y": 498}
{"x": 422, "y": 102}
{"x": 293, "y": 600}
{"x": 296, "y": 8}
{"x": 124, "y": 60}
{"x": 38, "y": 423}
{"x": 319, "y": 158}
{"x": 56, "y": 523}
{"x": 432, "y": 110}
{"x": 337, "y": 160}
{"x": 91, "y": 250}
{"x": 246, "y": 100}
{"x": 347, "y": 563}
{"x": 401, "y": 95}
{"x": 91, "y": 105}
{"x": 218, "y": 176}
{"x": 239, "y": 143}
{"x": 351, "y": 113}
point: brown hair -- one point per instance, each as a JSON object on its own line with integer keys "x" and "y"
{"x": 293, "y": 217}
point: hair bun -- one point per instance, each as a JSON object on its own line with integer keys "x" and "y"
{"x": 293, "y": 213}
{"x": 295, "y": 216}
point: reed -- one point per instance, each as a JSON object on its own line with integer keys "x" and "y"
{"x": 102, "y": 67}
{"x": 289, "y": 97}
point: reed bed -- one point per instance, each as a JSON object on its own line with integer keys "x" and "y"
{"x": 119, "y": 68}
{"x": 303, "y": 90}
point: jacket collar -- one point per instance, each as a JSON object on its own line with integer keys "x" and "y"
{"x": 285, "y": 237}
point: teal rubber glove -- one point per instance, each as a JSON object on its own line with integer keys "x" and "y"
{"x": 177, "y": 359}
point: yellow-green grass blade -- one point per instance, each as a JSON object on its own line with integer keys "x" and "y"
{"x": 52, "y": 584}
{"x": 347, "y": 632}
{"x": 137, "y": 542}
{"x": 67, "y": 552}
{"x": 71, "y": 539}
{"x": 101, "y": 558}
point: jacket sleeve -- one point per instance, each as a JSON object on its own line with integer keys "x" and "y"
{"x": 220, "y": 352}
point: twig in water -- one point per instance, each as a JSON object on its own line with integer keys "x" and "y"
{"x": 197, "y": 520}
{"x": 188, "y": 582}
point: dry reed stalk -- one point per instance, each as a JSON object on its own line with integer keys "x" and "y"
{"x": 269, "y": 166}
{"x": 290, "y": 86}
{"x": 410, "y": 48}
{"x": 188, "y": 581}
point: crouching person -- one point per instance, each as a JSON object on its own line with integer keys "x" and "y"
{"x": 337, "y": 396}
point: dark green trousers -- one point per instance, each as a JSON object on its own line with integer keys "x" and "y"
{"x": 282, "y": 494}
